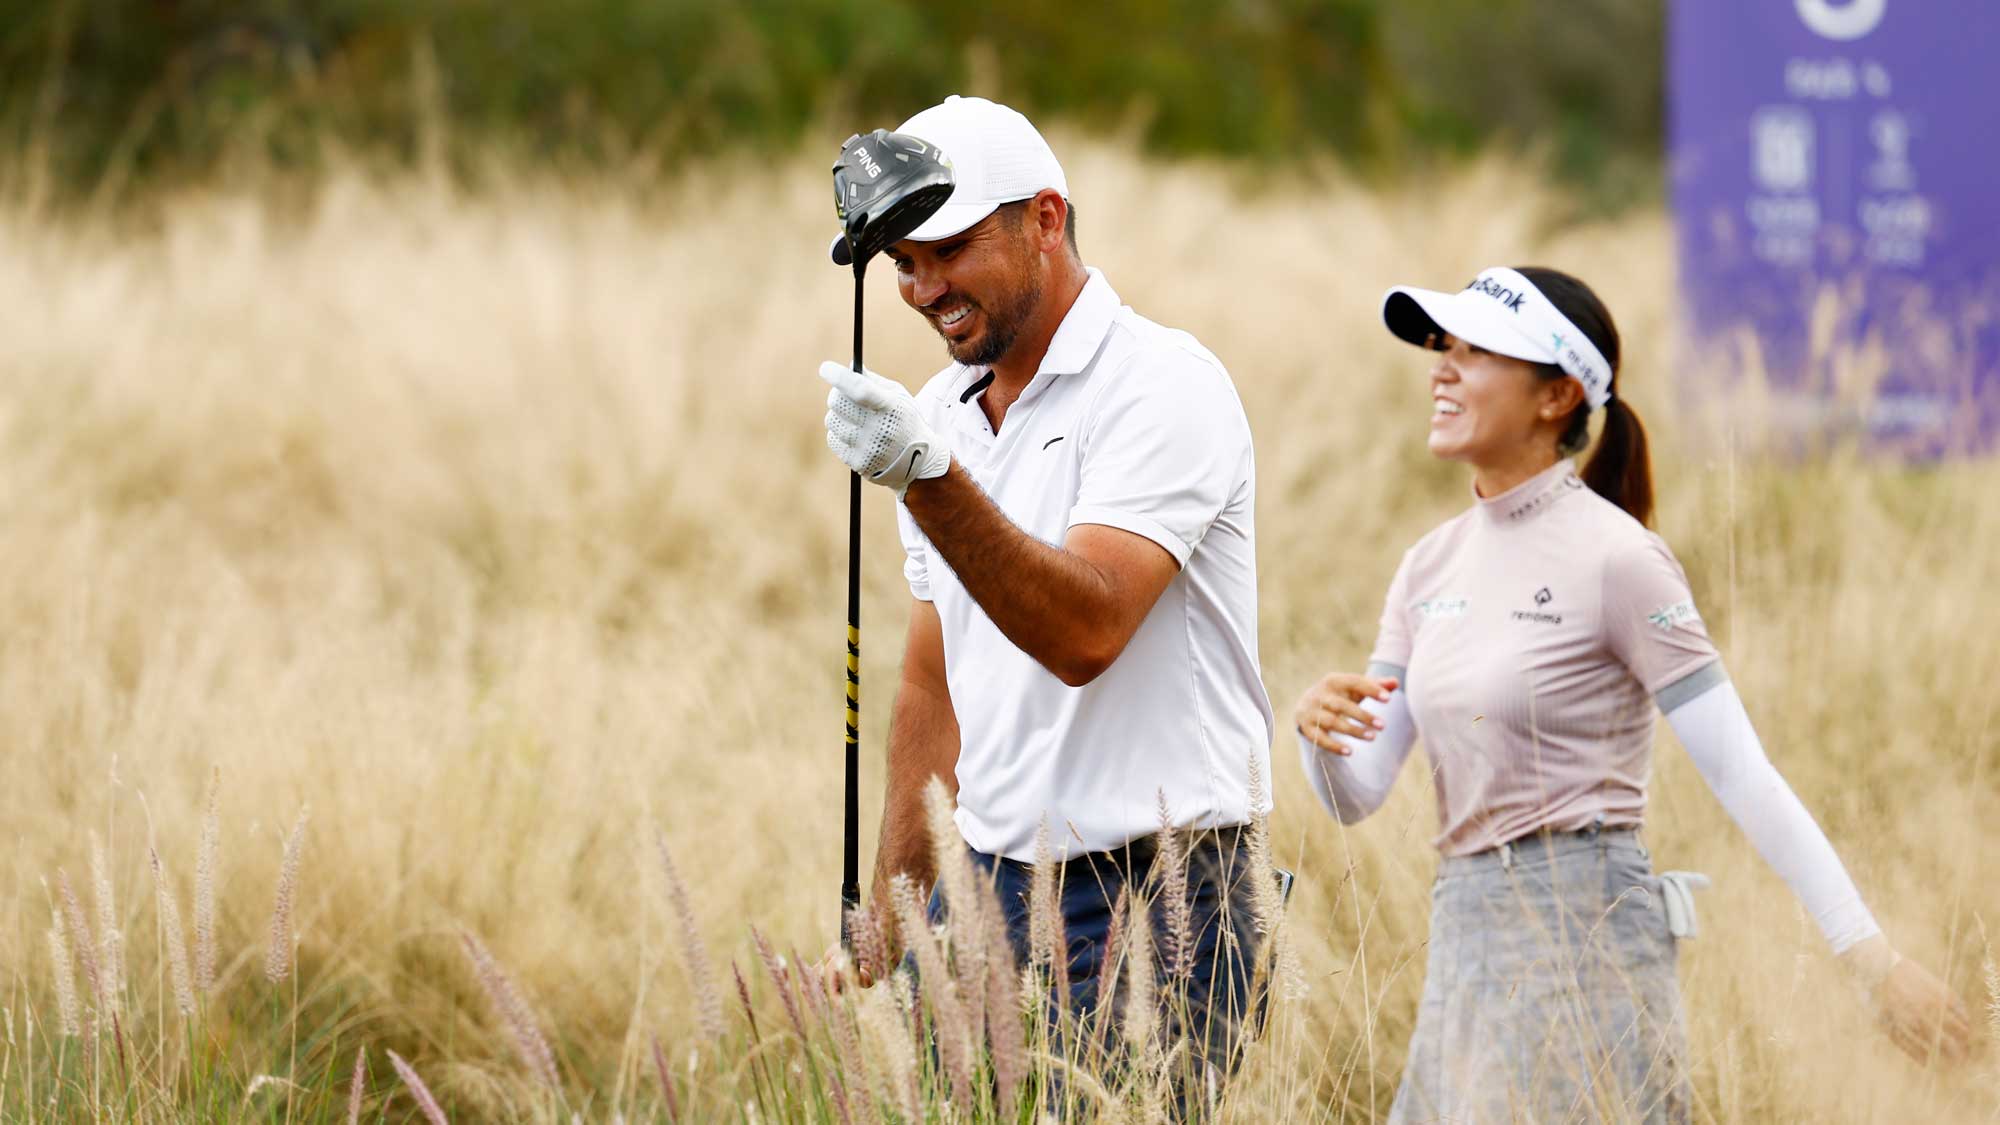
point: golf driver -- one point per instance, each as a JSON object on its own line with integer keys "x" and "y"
{"x": 884, "y": 186}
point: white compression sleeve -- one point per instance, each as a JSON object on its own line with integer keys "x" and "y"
{"x": 1354, "y": 786}
{"x": 1716, "y": 730}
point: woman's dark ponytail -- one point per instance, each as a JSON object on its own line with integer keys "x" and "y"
{"x": 1620, "y": 469}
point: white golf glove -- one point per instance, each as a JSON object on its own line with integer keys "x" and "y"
{"x": 874, "y": 426}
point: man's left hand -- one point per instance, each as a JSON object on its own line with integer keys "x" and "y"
{"x": 874, "y": 427}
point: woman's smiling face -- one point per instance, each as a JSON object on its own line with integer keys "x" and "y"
{"x": 1488, "y": 408}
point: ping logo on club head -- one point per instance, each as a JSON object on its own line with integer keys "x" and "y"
{"x": 867, "y": 162}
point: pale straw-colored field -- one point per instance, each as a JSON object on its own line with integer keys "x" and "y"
{"x": 497, "y": 532}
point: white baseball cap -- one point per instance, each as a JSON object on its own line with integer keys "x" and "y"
{"x": 996, "y": 157}
{"x": 1503, "y": 312}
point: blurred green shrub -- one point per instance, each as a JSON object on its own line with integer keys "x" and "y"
{"x": 156, "y": 87}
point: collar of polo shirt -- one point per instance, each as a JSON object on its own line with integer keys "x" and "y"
{"x": 1081, "y": 333}
{"x": 1077, "y": 341}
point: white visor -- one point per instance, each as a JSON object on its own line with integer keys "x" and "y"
{"x": 1502, "y": 312}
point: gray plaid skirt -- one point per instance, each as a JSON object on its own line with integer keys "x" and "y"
{"x": 1550, "y": 994}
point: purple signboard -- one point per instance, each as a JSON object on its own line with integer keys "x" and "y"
{"x": 1836, "y": 186}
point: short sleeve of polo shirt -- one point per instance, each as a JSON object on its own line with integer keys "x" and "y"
{"x": 1165, "y": 448}
{"x": 1393, "y": 642}
{"x": 1650, "y": 621}
{"x": 916, "y": 554}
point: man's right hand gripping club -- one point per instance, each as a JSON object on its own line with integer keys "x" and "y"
{"x": 874, "y": 427}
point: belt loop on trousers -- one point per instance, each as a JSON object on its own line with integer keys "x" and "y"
{"x": 1507, "y": 857}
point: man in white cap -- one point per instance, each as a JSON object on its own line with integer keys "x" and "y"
{"x": 1076, "y": 499}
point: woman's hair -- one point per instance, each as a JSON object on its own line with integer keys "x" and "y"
{"x": 1620, "y": 469}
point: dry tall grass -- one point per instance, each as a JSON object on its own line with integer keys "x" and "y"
{"x": 500, "y": 530}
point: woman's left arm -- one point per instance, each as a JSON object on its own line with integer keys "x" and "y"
{"x": 1715, "y": 728}
{"x": 1918, "y": 1011}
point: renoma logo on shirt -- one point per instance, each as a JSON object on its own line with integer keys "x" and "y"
{"x": 1666, "y": 617}
{"x": 1542, "y": 598}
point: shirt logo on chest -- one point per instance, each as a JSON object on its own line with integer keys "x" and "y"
{"x": 1539, "y": 615}
{"x": 1434, "y": 608}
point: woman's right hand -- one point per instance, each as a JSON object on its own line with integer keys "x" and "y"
{"x": 1332, "y": 707}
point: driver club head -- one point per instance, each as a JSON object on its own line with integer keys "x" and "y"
{"x": 884, "y": 186}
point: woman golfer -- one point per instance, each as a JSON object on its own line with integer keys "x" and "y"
{"x": 1527, "y": 642}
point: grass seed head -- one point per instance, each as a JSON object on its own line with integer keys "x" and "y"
{"x": 513, "y": 1010}
{"x": 206, "y": 855}
{"x": 1108, "y": 964}
{"x": 774, "y": 967}
{"x": 422, "y": 1093}
{"x": 743, "y": 997}
{"x": 81, "y": 942}
{"x": 1141, "y": 1014}
{"x": 63, "y": 975}
{"x": 111, "y": 941}
{"x": 954, "y": 868}
{"x": 278, "y": 956}
{"x": 357, "y": 1086}
{"x": 856, "y": 1085}
{"x": 694, "y": 954}
{"x": 1043, "y": 909}
{"x": 173, "y": 936}
{"x": 1266, "y": 902}
{"x": 1170, "y": 867}
{"x": 940, "y": 989}
{"x": 866, "y": 931}
{"x": 1005, "y": 1035}
{"x": 889, "y": 1037}
{"x": 668, "y": 1095}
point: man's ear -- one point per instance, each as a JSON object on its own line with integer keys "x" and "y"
{"x": 1048, "y": 213}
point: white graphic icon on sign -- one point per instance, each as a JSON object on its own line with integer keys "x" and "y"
{"x": 1875, "y": 79}
{"x": 1781, "y": 149}
{"x": 1842, "y": 19}
{"x": 1891, "y": 171}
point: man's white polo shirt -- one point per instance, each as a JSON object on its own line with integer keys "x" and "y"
{"x": 1137, "y": 427}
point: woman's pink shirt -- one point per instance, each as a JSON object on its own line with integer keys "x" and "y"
{"x": 1533, "y": 633}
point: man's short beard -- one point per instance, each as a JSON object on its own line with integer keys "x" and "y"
{"x": 1003, "y": 326}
